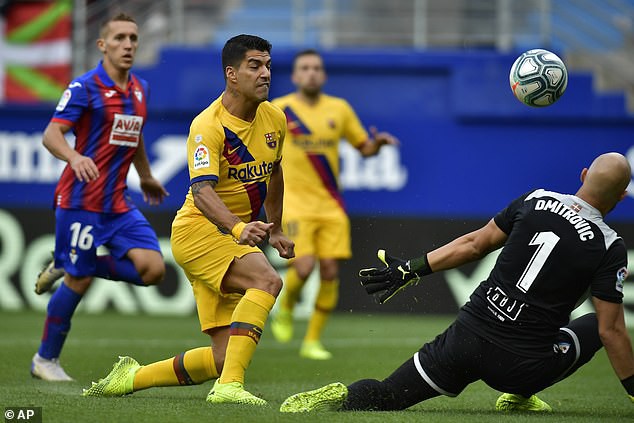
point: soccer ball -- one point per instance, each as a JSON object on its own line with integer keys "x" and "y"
{"x": 538, "y": 78}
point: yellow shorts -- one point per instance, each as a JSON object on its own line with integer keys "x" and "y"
{"x": 205, "y": 254}
{"x": 323, "y": 237}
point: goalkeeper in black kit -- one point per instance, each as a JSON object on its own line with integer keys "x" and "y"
{"x": 514, "y": 333}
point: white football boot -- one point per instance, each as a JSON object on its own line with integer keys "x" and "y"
{"x": 49, "y": 370}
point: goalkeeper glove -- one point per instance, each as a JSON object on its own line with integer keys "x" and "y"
{"x": 396, "y": 276}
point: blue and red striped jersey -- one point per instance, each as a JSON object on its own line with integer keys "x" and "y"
{"x": 107, "y": 122}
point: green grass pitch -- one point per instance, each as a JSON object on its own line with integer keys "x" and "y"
{"x": 365, "y": 346}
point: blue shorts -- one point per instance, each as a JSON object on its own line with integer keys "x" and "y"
{"x": 78, "y": 233}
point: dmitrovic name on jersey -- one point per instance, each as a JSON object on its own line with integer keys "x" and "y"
{"x": 581, "y": 225}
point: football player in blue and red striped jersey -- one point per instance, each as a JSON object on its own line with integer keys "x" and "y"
{"x": 106, "y": 109}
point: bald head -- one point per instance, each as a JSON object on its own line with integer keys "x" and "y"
{"x": 605, "y": 181}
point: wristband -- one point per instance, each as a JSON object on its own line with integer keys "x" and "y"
{"x": 237, "y": 229}
{"x": 628, "y": 384}
{"x": 420, "y": 266}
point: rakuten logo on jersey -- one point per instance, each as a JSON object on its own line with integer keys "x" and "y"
{"x": 250, "y": 172}
{"x": 383, "y": 171}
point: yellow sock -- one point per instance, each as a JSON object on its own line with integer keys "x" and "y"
{"x": 324, "y": 305}
{"x": 247, "y": 322}
{"x": 189, "y": 368}
{"x": 292, "y": 287}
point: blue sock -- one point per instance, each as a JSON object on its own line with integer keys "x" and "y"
{"x": 59, "y": 312}
{"x": 115, "y": 269}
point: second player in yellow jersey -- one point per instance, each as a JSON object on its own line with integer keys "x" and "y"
{"x": 311, "y": 155}
{"x": 314, "y": 211}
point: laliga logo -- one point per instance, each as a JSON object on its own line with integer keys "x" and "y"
{"x": 201, "y": 157}
{"x": 200, "y": 154}
{"x": 630, "y": 158}
{"x": 622, "y": 273}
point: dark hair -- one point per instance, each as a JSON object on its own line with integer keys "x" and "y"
{"x": 307, "y": 52}
{"x": 235, "y": 49}
{"x": 118, "y": 17}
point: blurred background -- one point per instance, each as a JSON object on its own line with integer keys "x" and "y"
{"x": 432, "y": 72}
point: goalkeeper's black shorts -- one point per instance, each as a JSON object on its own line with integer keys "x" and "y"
{"x": 458, "y": 357}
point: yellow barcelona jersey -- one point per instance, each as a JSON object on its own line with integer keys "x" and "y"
{"x": 237, "y": 154}
{"x": 311, "y": 153}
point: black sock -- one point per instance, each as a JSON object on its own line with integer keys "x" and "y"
{"x": 402, "y": 389}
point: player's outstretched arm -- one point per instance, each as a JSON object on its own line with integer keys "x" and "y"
{"x": 376, "y": 141}
{"x": 85, "y": 169}
{"x": 616, "y": 341}
{"x": 467, "y": 248}
{"x": 398, "y": 274}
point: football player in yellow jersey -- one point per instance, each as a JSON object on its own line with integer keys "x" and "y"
{"x": 314, "y": 213}
{"x": 234, "y": 150}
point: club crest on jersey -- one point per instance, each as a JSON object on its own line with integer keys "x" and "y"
{"x": 201, "y": 157}
{"x": 562, "y": 347}
{"x": 73, "y": 256}
{"x": 139, "y": 95}
{"x": 126, "y": 130}
{"x": 621, "y": 275}
{"x": 271, "y": 139}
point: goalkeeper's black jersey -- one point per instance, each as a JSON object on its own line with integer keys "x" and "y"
{"x": 557, "y": 253}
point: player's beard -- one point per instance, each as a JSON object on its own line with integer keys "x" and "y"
{"x": 262, "y": 93}
{"x": 311, "y": 91}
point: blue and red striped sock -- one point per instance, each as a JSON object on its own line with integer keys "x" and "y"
{"x": 114, "y": 269}
{"x": 59, "y": 312}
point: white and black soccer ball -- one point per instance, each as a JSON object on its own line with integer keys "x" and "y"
{"x": 538, "y": 78}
